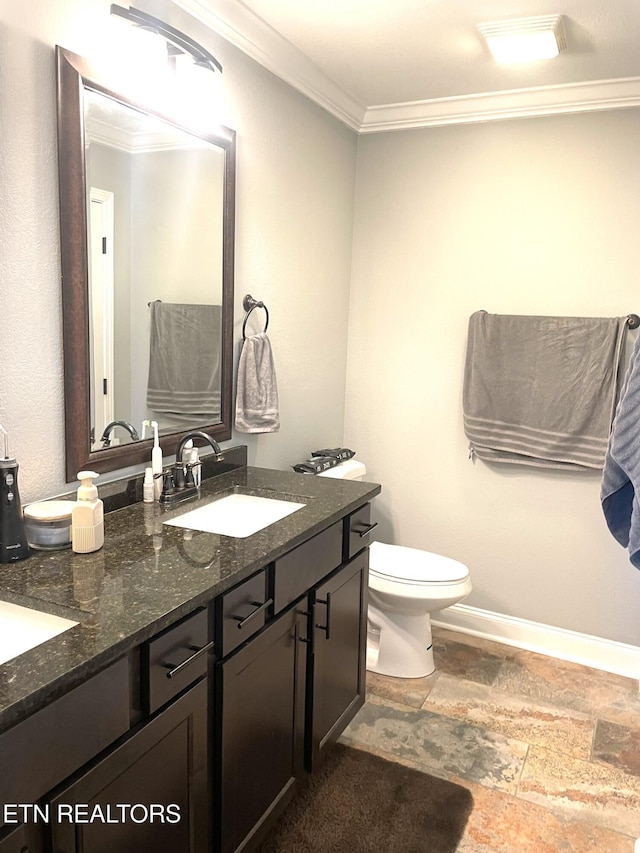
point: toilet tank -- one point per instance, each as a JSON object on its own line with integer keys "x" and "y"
{"x": 350, "y": 469}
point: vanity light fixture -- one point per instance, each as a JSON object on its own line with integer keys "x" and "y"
{"x": 177, "y": 42}
{"x": 525, "y": 39}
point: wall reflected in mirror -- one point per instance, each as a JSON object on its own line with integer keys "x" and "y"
{"x": 155, "y": 219}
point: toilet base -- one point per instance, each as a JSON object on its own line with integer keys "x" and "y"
{"x": 401, "y": 648}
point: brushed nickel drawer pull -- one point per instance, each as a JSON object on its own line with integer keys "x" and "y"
{"x": 260, "y": 608}
{"x": 176, "y": 669}
{"x": 364, "y": 529}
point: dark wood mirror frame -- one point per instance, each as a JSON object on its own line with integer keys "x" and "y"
{"x": 74, "y": 75}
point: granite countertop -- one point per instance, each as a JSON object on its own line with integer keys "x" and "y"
{"x": 147, "y": 576}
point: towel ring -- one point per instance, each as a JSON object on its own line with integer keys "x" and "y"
{"x": 249, "y": 303}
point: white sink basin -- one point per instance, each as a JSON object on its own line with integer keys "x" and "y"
{"x": 21, "y": 629}
{"x": 236, "y": 515}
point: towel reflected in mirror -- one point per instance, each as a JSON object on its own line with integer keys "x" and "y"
{"x": 184, "y": 360}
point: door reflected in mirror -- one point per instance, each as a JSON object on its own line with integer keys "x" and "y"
{"x": 147, "y": 209}
{"x": 155, "y": 202}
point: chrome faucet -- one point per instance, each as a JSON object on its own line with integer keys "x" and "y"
{"x": 178, "y": 482}
{"x": 106, "y": 435}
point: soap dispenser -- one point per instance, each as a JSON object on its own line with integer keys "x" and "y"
{"x": 87, "y": 518}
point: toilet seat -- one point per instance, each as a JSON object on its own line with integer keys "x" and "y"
{"x": 414, "y": 567}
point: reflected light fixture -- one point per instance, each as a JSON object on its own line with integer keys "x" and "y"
{"x": 177, "y": 42}
{"x": 525, "y": 39}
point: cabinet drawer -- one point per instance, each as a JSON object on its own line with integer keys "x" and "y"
{"x": 175, "y": 659}
{"x": 300, "y": 569}
{"x": 44, "y": 749}
{"x": 358, "y": 528}
{"x": 241, "y": 612}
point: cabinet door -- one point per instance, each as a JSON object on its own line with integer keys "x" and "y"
{"x": 23, "y": 839}
{"x": 337, "y": 662}
{"x": 163, "y": 764}
{"x": 261, "y": 729}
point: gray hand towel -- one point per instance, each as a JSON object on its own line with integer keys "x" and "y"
{"x": 620, "y": 488}
{"x": 257, "y": 390}
{"x": 184, "y": 359}
{"x": 541, "y": 390}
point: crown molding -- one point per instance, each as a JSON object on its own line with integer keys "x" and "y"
{"x": 254, "y": 37}
{"x": 496, "y": 106}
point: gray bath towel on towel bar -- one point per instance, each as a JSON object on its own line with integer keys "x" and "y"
{"x": 541, "y": 390}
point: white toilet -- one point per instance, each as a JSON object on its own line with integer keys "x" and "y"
{"x": 405, "y": 586}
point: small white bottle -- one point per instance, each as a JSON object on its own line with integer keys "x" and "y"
{"x": 194, "y": 461}
{"x": 148, "y": 491}
{"x": 87, "y": 517}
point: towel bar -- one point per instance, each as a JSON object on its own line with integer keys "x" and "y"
{"x": 633, "y": 321}
{"x": 249, "y": 303}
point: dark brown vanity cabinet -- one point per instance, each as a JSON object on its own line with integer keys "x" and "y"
{"x": 291, "y": 689}
{"x": 150, "y": 792}
{"x": 336, "y": 687}
{"x": 195, "y": 740}
{"x": 108, "y": 775}
{"x": 261, "y": 688}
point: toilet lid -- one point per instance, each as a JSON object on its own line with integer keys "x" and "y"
{"x": 412, "y": 565}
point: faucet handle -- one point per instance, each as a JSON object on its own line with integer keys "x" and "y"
{"x": 178, "y": 475}
{"x": 168, "y": 486}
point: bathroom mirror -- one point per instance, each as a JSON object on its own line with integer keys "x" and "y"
{"x": 147, "y": 231}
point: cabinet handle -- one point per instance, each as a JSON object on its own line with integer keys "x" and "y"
{"x": 310, "y": 640}
{"x": 260, "y": 608}
{"x": 176, "y": 669}
{"x": 327, "y": 603}
{"x": 363, "y": 529}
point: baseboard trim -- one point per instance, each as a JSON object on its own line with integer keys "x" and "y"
{"x": 609, "y": 655}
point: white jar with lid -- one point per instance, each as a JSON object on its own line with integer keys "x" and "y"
{"x": 48, "y": 524}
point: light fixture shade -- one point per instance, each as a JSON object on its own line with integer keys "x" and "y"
{"x": 525, "y": 39}
{"x": 177, "y": 42}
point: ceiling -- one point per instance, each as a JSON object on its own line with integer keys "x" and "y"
{"x": 381, "y": 65}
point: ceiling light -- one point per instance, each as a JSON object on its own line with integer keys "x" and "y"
{"x": 525, "y": 39}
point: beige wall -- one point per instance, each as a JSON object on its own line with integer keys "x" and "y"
{"x": 537, "y": 216}
{"x": 295, "y": 189}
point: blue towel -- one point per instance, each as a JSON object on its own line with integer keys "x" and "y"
{"x": 620, "y": 490}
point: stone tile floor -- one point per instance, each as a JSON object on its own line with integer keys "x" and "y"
{"x": 550, "y": 750}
